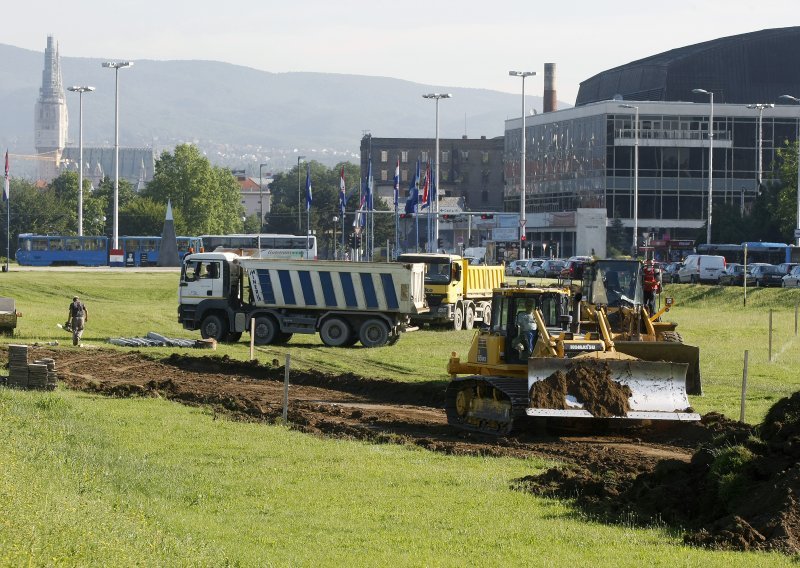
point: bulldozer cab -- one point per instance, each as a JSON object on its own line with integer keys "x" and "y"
{"x": 507, "y": 304}
{"x": 613, "y": 283}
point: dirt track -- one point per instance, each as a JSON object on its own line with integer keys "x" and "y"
{"x": 351, "y": 407}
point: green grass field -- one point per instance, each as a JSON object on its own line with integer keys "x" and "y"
{"x": 86, "y": 480}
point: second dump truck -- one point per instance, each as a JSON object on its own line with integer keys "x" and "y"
{"x": 224, "y": 295}
{"x": 458, "y": 293}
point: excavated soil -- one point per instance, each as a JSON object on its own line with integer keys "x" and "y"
{"x": 590, "y": 383}
{"x": 736, "y": 491}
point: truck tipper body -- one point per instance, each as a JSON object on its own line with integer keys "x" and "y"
{"x": 458, "y": 293}
{"x": 224, "y": 295}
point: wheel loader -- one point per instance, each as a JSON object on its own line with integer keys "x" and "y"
{"x": 497, "y": 396}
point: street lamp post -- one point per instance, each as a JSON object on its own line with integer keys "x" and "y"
{"x": 635, "y": 179}
{"x": 299, "y": 196}
{"x": 710, "y": 158}
{"x": 436, "y": 97}
{"x": 797, "y": 227}
{"x": 261, "y": 196}
{"x": 80, "y": 90}
{"x": 116, "y": 66}
{"x": 335, "y": 252}
{"x": 522, "y": 218}
{"x": 760, "y": 158}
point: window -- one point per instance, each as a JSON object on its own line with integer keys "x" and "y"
{"x": 404, "y": 175}
{"x": 404, "y": 156}
{"x": 445, "y": 157}
{"x": 384, "y": 156}
{"x": 384, "y": 174}
{"x": 485, "y": 157}
{"x": 424, "y": 157}
{"x": 465, "y": 155}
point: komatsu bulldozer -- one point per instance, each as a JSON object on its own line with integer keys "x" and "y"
{"x": 496, "y": 396}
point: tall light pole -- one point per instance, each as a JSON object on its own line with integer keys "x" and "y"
{"x": 797, "y": 227}
{"x": 299, "y": 195}
{"x": 759, "y": 158}
{"x": 116, "y": 66}
{"x": 436, "y": 97}
{"x": 522, "y": 218}
{"x": 80, "y": 90}
{"x": 261, "y": 195}
{"x": 635, "y": 179}
{"x": 710, "y": 158}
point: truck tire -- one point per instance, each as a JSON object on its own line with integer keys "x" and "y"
{"x": 282, "y": 338}
{"x": 233, "y": 336}
{"x": 373, "y": 333}
{"x": 335, "y": 332}
{"x": 266, "y": 330}
{"x": 458, "y": 317}
{"x": 469, "y": 318}
{"x": 213, "y": 327}
{"x": 487, "y": 314}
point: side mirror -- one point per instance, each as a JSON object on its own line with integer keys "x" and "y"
{"x": 668, "y": 301}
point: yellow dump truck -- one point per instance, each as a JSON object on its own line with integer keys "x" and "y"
{"x": 458, "y": 293}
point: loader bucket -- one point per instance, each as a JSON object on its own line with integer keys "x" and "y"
{"x": 658, "y": 389}
{"x": 667, "y": 351}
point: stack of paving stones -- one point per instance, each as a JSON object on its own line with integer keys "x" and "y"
{"x": 37, "y": 376}
{"x": 52, "y": 376}
{"x": 18, "y": 366}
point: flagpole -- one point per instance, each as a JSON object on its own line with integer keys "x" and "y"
{"x": 7, "y": 195}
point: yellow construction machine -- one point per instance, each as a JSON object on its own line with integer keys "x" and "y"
{"x": 497, "y": 394}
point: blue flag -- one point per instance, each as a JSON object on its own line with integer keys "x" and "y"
{"x": 308, "y": 187}
{"x": 368, "y": 186}
{"x": 413, "y": 193}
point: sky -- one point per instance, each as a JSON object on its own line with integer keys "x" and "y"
{"x": 469, "y": 43}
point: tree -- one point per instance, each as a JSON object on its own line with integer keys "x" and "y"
{"x": 786, "y": 207}
{"x": 207, "y": 197}
{"x": 616, "y": 238}
{"x": 143, "y": 216}
{"x": 104, "y": 194}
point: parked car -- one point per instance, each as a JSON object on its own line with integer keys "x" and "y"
{"x": 551, "y": 268}
{"x": 473, "y": 260}
{"x": 573, "y": 269}
{"x": 669, "y": 273}
{"x": 767, "y": 275}
{"x": 786, "y": 267}
{"x": 512, "y": 266}
{"x": 532, "y": 267}
{"x": 734, "y": 275}
{"x": 701, "y": 268}
{"x": 791, "y": 280}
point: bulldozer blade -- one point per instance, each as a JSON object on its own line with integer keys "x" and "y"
{"x": 658, "y": 388}
{"x": 667, "y": 351}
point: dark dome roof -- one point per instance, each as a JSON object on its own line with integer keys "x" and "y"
{"x": 756, "y": 67}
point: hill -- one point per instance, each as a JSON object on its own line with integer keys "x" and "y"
{"x": 231, "y": 111}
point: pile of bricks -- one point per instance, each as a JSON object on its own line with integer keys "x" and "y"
{"x": 40, "y": 375}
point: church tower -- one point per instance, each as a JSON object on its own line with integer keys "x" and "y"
{"x": 50, "y": 117}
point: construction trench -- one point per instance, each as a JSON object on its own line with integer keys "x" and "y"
{"x": 727, "y": 485}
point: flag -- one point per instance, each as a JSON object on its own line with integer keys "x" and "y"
{"x": 433, "y": 186}
{"x": 368, "y": 186}
{"x": 360, "y": 217}
{"x": 308, "y": 187}
{"x": 5, "y": 183}
{"x": 413, "y": 193}
{"x": 396, "y": 182}
{"x": 342, "y": 193}
{"x": 426, "y": 196}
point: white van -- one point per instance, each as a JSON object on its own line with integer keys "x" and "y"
{"x": 701, "y": 268}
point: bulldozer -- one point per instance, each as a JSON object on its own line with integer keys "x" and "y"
{"x": 497, "y": 396}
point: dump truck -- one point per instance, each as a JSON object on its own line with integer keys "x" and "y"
{"x": 224, "y": 295}
{"x": 458, "y": 293}
{"x": 497, "y": 395}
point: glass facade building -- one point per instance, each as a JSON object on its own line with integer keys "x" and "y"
{"x": 583, "y": 157}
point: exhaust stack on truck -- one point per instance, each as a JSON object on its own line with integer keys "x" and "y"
{"x": 345, "y": 302}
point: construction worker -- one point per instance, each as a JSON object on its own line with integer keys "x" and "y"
{"x": 78, "y": 316}
{"x": 526, "y": 328}
{"x": 651, "y": 286}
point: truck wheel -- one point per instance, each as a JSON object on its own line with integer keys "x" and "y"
{"x": 233, "y": 336}
{"x": 213, "y": 328}
{"x": 487, "y": 315}
{"x": 469, "y": 319}
{"x": 282, "y": 338}
{"x": 335, "y": 332}
{"x": 266, "y": 330}
{"x": 373, "y": 333}
{"x": 458, "y": 317}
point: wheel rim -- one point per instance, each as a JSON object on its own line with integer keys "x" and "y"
{"x": 458, "y": 319}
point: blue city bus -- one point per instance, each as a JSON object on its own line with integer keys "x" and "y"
{"x": 61, "y": 250}
{"x": 264, "y": 245}
{"x": 772, "y": 253}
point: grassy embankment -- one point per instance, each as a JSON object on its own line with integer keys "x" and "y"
{"x": 88, "y": 480}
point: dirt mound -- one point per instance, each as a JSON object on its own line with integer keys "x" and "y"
{"x": 739, "y": 491}
{"x": 590, "y": 383}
